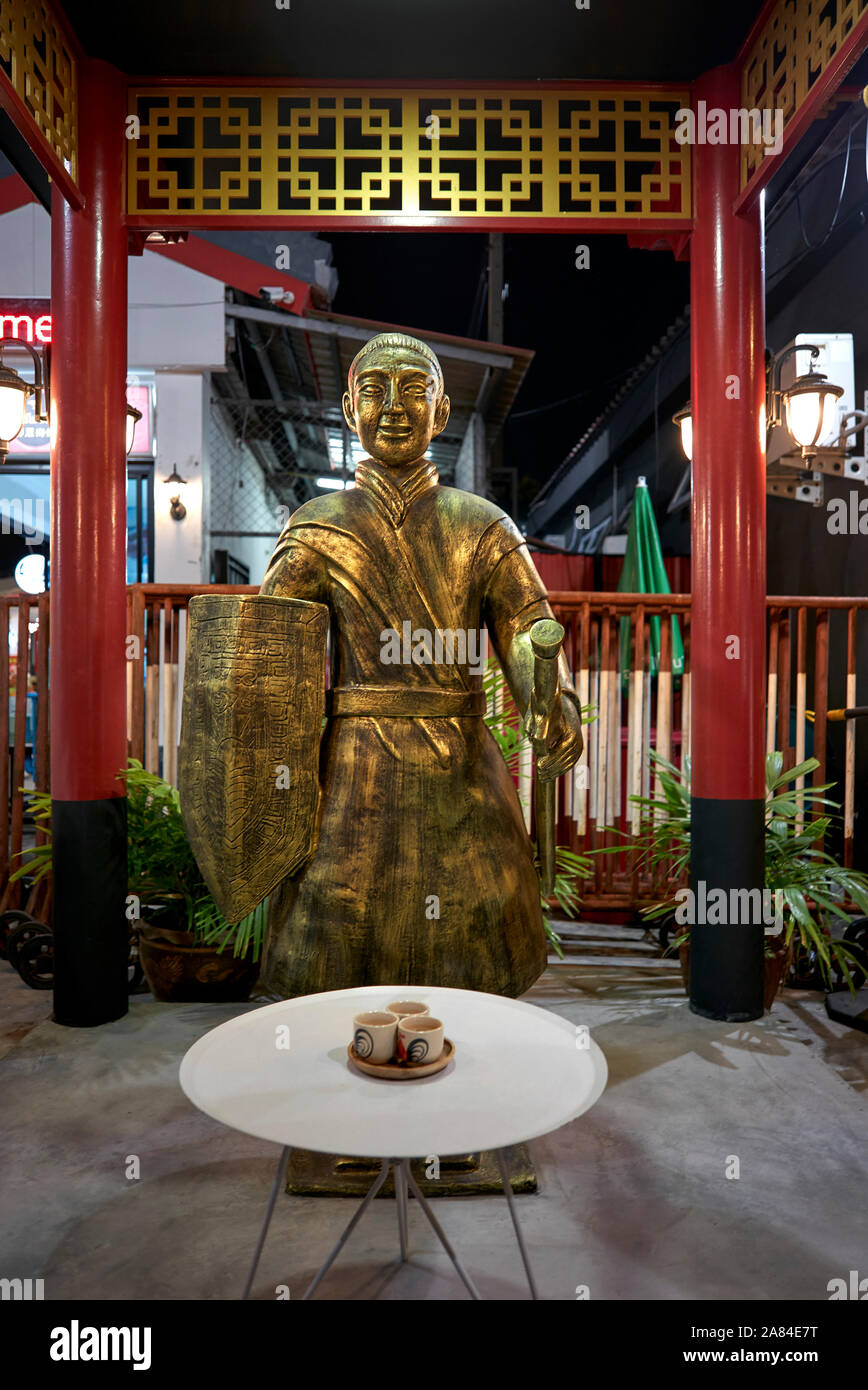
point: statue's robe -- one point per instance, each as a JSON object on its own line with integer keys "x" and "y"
{"x": 423, "y": 871}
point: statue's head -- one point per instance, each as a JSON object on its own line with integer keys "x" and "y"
{"x": 395, "y": 403}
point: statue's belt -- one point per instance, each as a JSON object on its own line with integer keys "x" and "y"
{"x": 404, "y": 702}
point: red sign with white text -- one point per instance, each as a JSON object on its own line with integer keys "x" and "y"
{"x": 30, "y": 321}
{"x": 32, "y": 328}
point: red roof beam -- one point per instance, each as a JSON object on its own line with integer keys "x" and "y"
{"x": 240, "y": 272}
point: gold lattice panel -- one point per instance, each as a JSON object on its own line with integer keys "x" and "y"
{"x": 606, "y": 154}
{"x": 792, "y": 51}
{"x": 37, "y": 60}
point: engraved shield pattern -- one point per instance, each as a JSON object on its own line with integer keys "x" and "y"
{"x": 250, "y": 731}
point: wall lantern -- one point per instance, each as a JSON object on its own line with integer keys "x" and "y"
{"x": 805, "y": 405}
{"x": 15, "y": 393}
{"x": 683, "y": 418}
{"x": 133, "y": 418}
{"x": 800, "y": 407}
{"x": 177, "y": 510}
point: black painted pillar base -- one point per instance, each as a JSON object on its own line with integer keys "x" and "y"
{"x": 727, "y": 850}
{"x": 91, "y": 931}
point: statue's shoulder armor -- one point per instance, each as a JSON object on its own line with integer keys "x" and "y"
{"x": 478, "y": 511}
{"x": 331, "y": 508}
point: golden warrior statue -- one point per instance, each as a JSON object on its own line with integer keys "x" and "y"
{"x": 393, "y": 845}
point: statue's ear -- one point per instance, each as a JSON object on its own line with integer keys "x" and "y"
{"x": 441, "y": 416}
{"x": 349, "y": 414}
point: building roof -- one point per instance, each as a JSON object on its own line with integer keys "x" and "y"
{"x": 649, "y": 362}
{"x": 632, "y": 40}
{"x": 304, "y": 362}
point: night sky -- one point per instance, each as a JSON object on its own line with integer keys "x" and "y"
{"x": 588, "y": 328}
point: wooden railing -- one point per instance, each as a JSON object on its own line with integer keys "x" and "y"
{"x": 635, "y": 713}
{"x": 24, "y": 742}
{"x": 638, "y": 714}
{"x": 157, "y": 644}
{"x": 812, "y": 665}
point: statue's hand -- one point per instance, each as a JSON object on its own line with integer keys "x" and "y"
{"x": 564, "y": 740}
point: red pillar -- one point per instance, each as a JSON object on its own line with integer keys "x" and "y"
{"x": 728, "y": 625}
{"x": 88, "y": 566}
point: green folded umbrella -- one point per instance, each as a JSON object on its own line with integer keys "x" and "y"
{"x": 645, "y": 573}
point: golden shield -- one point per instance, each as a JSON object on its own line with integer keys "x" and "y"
{"x": 250, "y": 731}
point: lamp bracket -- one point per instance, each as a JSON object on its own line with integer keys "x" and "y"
{"x": 39, "y": 373}
{"x": 836, "y": 463}
{"x": 774, "y": 394}
{"x": 795, "y": 491}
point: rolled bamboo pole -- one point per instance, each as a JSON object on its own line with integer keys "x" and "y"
{"x": 634, "y": 720}
{"x": 801, "y": 707}
{"x": 821, "y": 700}
{"x": 152, "y": 689}
{"x": 850, "y": 741}
{"x": 772, "y": 687}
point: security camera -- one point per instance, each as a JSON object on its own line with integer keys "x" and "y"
{"x": 276, "y": 294}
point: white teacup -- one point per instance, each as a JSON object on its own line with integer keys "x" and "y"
{"x": 374, "y": 1036}
{"x": 403, "y": 1008}
{"x": 420, "y": 1039}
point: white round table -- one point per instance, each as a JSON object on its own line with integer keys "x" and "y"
{"x": 282, "y": 1073}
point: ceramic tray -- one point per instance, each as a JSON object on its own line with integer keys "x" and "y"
{"x": 404, "y": 1071}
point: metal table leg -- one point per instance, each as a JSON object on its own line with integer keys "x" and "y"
{"x": 403, "y": 1179}
{"x": 279, "y": 1178}
{"x": 510, "y": 1200}
{"x": 438, "y": 1229}
{"x": 401, "y": 1169}
{"x": 359, "y": 1213}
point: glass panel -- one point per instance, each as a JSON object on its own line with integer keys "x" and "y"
{"x": 139, "y": 527}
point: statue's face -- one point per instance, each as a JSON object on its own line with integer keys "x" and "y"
{"x": 394, "y": 407}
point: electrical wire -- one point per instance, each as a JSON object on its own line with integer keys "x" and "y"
{"x": 196, "y": 304}
{"x": 568, "y": 400}
{"x": 776, "y": 275}
{"x": 815, "y": 246}
{"x": 657, "y": 422}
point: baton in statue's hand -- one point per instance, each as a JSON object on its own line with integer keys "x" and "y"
{"x": 546, "y": 637}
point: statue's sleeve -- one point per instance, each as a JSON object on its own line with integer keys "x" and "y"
{"x": 296, "y": 569}
{"x": 514, "y": 599}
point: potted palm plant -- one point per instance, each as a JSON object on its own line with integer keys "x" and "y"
{"x": 811, "y": 884}
{"x": 504, "y": 723}
{"x": 187, "y": 949}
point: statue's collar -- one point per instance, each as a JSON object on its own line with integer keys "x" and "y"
{"x": 395, "y": 497}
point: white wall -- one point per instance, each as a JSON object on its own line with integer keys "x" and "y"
{"x": 176, "y": 326}
{"x": 230, "y": 507}
{"x": 179, "y": 420}
{"x": 25, "y": 253}
{"x": 175, "y": 315}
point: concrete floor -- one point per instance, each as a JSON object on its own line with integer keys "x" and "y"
{"x": 634, "y": 1201}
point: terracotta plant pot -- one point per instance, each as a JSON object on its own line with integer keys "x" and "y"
{"x": 774, "y": 969}
{"x": 179, "y": 971}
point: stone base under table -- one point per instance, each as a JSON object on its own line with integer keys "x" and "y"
{"x": 329, "y": 1175}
